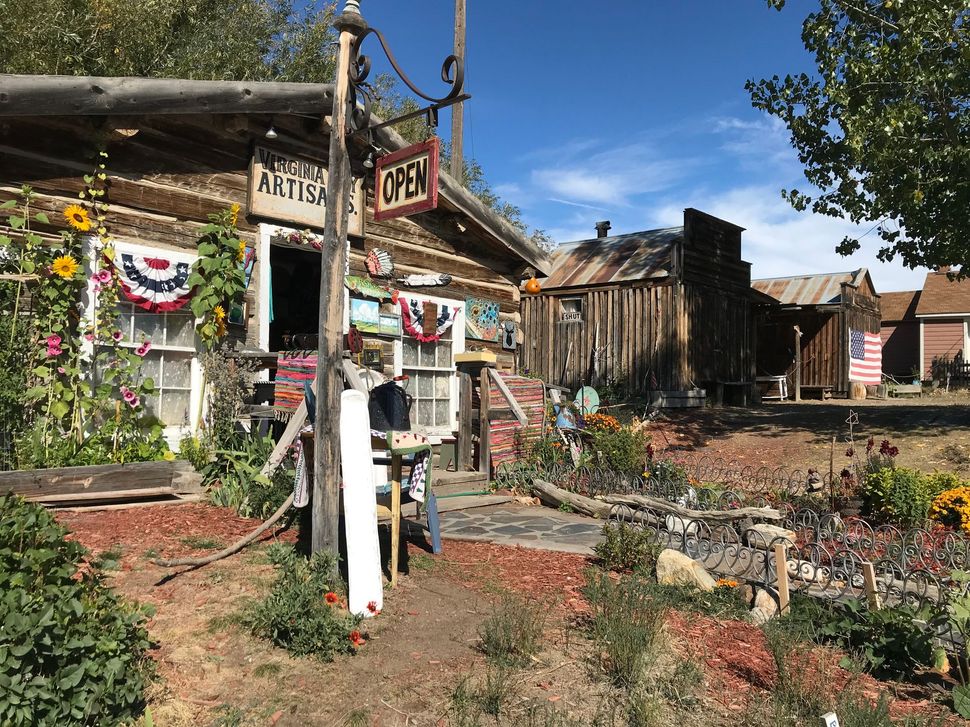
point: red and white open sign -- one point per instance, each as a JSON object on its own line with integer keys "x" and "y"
{"x": 407, "y": 181}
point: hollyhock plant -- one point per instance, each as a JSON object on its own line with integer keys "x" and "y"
{"x": 144, "y": 348}
{"x": 135, "y": 401}
{"x": 104, "y": 276}
{"x": 116, "y": 336}
{"x": 53, "y": 340}
{"x": 129, "y": 396}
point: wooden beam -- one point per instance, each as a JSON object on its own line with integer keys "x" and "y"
{"x": 458, "y": 110}
{"x": 781, "y": 571}
{"x": 27, "y": 95}
{"x": 504, "y": 390}
{"x": 464, "y": 444}
{"x": 102, "y": 479}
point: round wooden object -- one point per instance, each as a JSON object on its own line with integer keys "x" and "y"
{"x": 857, "y": 391}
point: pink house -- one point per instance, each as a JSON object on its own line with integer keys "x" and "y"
{"x": 943, "y": 312}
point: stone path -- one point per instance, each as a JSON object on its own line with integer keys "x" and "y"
{"x": 530, "y": 527}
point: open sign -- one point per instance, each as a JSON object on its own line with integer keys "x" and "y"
{"x": 407, "y": 181}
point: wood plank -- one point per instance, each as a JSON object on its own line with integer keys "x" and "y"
{"x": 134, "y": 494}
{"x": 104, "y": 478}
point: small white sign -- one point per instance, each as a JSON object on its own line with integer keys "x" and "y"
{"x": 830, "y": 720}
{"x": 572, "y": 316}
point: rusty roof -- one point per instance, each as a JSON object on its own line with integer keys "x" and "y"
{"x": 808, "y": 289}
{"x": 899, "y": 306}
{"x": 636, "y": 256}
{"x": 942, "y": 296}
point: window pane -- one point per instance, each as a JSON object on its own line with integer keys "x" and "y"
{"x": 409, "y": 352}
{"x": 181, "y": 331}
{"x": 148, "y": 327}
{"x": 425, "y": 413}
{"x": 442, "y": 414}
{"x": 442, "y": 386}
{"x": 444, "y": 355}
{"x": 175, "y": 408}
{"x": 124, "y": 322}
{"x": 177, "y": 371}
{"x": 427, "y": 354}
{"x": 151, "y": 366}
{"x": 425, "y": 385}
{"x": 151, "y": 405}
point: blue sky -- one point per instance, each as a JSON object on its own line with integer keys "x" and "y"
{"x": 631, "y": 111}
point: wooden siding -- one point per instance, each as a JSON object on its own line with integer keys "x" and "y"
{"x": 166, "y": 179}
{"x": 942, "y": 339}
{"x": 900, "y": 349}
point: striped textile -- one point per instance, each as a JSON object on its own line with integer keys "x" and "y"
{"x": 865, "y": 357}
{"x": 292, "y": 370}
{"x": 508, "y": 440}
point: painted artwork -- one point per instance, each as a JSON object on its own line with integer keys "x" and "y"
{"x": 390, "y": 324}
{"x": 365, "y": 314}
{"x": 248, "y": 264}
{"x": 481, "y": 319}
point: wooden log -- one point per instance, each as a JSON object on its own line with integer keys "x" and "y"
{"x": 102, "y": 478}
{"x": 110, "y": 496}
{"x": 549, "y": 493}
{"x": 25, "y": 95}
{"x": 653, "y": 503}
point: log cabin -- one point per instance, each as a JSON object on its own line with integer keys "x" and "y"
{"x": 825, "y": 308}
{"x": 662, "y": 312}
{"x": 179, "y": 150}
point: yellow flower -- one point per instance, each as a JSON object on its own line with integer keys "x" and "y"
{"x": 77, "y": 217}
{"x": 219, "y": 312}
{"x": 241, "y": 254}
{"x": 169, "y": 456}
{"x": 220, "y": 328}
{"x": 65, "y": 266}
{"x": 234, "y": 213}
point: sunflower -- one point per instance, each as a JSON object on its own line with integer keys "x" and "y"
{"x": 241, "y": 254}
{"x": 234, "y": 214}
{"x": 219, "y": 312}
{"x": 65, "y": 266}
{"x": 77, "y": 217}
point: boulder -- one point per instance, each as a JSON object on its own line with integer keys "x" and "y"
{"x": 761, "y": 535}
{"x": 765, "y": 607}
{"x": 675, "y": 568}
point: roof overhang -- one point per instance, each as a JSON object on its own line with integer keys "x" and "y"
{"x": 26, "y": 95}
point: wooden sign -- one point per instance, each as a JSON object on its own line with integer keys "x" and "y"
{"x": 407, "y": 181}
{"x": 292, "y": 189}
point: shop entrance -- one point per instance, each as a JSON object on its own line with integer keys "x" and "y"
{"x": 295, "y": 314}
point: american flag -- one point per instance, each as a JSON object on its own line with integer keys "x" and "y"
{"x": 865, "y": 357}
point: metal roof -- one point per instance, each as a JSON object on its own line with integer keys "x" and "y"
{"x": 808, "y": 289}
{"x": 621, "y": 258}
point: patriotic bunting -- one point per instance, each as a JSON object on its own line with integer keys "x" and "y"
{"x": 153, "y": 283}
{"x": 413, "y": 318}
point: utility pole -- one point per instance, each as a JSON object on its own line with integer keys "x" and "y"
{"x": 333, "y": 261}
{"x": 458, "y": 110}
{"x": 798, "y": 363}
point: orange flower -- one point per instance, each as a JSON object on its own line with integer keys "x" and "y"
{"x": 372, "y": 607}
{"x": 356, "y": 639}
{"x": 726, "y": 583}
{"x": 331, "y": 598}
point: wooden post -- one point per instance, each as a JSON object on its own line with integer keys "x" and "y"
{"x": 333, "y": 261}
{"x": 464, "y": 453}
{"x": 395, "y": 515}
{"x": 458, "y": 110}
{"x": 781, "y": 569}
{"x": 484, "y": 454}
{"x": 869, "y": 579}
{"x": 798, "y": 364}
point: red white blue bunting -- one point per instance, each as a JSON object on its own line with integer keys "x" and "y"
{"x": 153, "y": 283}
{"x": 412, "y": 319}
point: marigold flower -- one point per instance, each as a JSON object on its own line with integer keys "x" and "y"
{"x": 64, "y": 266}
{"x": 77, "y": 217}
{"x": 725, "y": 583}
{"x": 331, "y": 598}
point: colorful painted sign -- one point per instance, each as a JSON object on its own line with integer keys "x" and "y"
{"x": 481, "y": 319}
{"x": 407, "y": 181}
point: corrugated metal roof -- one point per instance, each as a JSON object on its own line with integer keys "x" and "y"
{"x": 807, "y": 289}
{"x": 636, "y": 256}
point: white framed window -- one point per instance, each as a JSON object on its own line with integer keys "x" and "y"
{"x": 571, "y": 310}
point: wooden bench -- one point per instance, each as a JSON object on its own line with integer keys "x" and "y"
{"x": 906, "y": 390}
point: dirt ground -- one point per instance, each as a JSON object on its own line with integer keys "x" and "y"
{"x": 417, "y": 651}
{"x": 932, "y": 433}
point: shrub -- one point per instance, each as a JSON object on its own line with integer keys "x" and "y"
{"x": 297, "y": 614}
{"x": 624, "y": 450}
{"x": 898, "y": 495}
{"x": 602, "y": 423}
{"x": 72, "y": 652}
{"x": 627, "y": 623}
{"x": 234, "y": 478}
{"x": 628, "y": 548}
{"x": 510, "y": 635}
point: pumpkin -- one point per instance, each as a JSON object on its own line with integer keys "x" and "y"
{"x": 532, "y": 286}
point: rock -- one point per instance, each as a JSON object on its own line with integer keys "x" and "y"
{"x": 681, "y": 526}
{"x": 805, "y": 570}
{"x": 765, "y": 607}
{"x": 759, "y": 617}
{"x": 762, "y": 535}
{"x": 675, "y": 568}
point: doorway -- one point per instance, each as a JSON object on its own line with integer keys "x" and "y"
{"x": 295, "y": 311}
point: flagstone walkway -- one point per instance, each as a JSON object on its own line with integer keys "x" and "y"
{"x": 530, "y": 527}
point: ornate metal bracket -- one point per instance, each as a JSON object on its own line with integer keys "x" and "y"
{"x": 452, "y": 74}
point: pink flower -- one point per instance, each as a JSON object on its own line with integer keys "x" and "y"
{"x": 116, "y": 335}
{"x": 60, "y": 370}
{"x": 129, "y": 396}
{"x": 144, "y": 348}
{"x": 123, "y": 389}
{"x": 53, "y": 340}
{"x": 134, "y": 402}
{"x": 97, "y": 288}
{"x": 104, "y": 276}
{"x": 54, "y": 351}
{"x": 88, "y": 336}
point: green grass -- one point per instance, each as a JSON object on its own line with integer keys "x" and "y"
{"x": 200, "y": 542}
{"x": 267, "y": 669}
{"x": 511, "y": 634}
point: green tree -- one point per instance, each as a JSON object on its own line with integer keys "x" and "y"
{"x": 883, "y": 131}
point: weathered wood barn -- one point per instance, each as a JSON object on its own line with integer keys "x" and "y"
{"x": 663, "y": 310}
{"x": 180, "y": 150}
{"x": 824, "y": 307}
